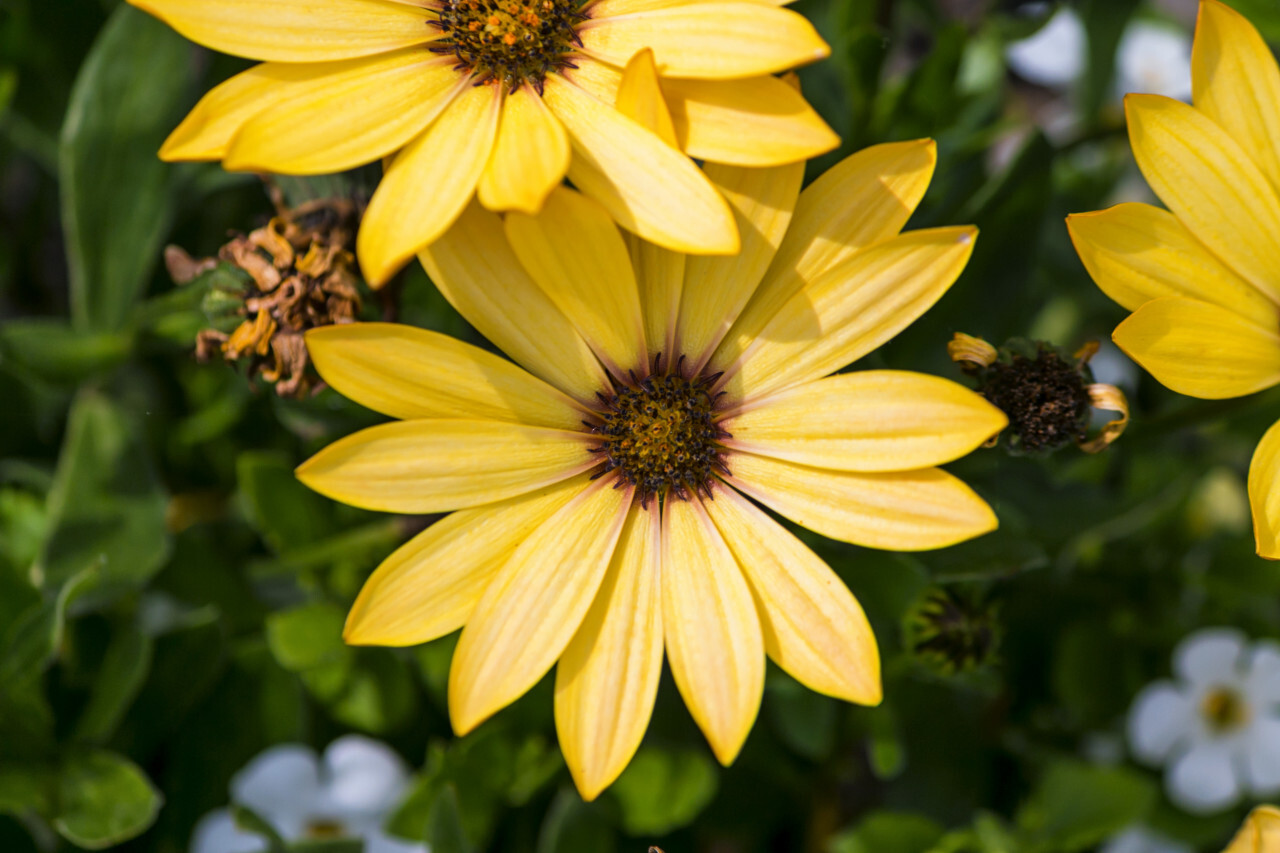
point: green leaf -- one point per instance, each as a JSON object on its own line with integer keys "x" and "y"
{"x": 104, "y": 799}
{"x": 33, "y": 641}
{"x": 308, "y": 636}
{"x": 888, "y": 832}
{"x": 119, "y": 678}
{"x": 116, "y": 193}
{"x": 328, "y": 845}
{"x": 52, "y": 351}
{"x": 1077, "y": 805}
{"x": 106, "y": 503}
{"x": 444, "y": 832}
{"x": 250, "y": 821}
{"x": 572, "y": 826}
{"x": 26, "y": 789}
{"x": 663, "y": 789}
{"x": 285, "y": 512}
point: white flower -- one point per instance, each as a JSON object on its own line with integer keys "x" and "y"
{"x": 1139, "y": 839}
{"x": 1154, "y": 58}
{"x": 1054, "y": 55}
{"x": 1217, "y": 731}
{"x": 1151, "y": 57}
{"x": 350, "y": 794}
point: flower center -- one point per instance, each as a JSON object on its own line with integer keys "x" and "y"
{"x": 322, "y": 828}
{"x": 660, "y": 433}
{"x": 509, "y": 41}
{"x": 1224, "y": 709}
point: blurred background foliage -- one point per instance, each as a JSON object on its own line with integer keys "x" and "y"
{"x": 171, "y": 598}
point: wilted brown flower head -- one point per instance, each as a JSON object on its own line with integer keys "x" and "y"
{"x": 1047, "y": 393}
{"x": 301, "y": 269}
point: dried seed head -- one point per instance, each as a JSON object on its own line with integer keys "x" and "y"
{"x": 512, "y": 42}
{"x": 1047, "y": 394}
{"x": 302, "y": 273}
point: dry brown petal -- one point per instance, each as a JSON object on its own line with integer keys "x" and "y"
{"x": 1112, "y": 399}
{"x": 182, "y": 267}
{"x": 966, "y": 348}
{"x": 251, "y": 336}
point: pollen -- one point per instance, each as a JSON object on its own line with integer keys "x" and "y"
{"x": 1224, "y": 709}
{"x": 660, "y": 434}
{"x": 511, "y": 42}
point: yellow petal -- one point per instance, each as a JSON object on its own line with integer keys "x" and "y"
{"x": 1136, "y": 253}
{"x": 608, "y": 676}
{"x": 713, "y": 637}
{"x": 813, "y": 626}
{"x": 407, "y": 372}
{"x": 595, "y": 78}
{"x": 1207, "y": 180}
{"x": 875, "y": 420}
{"x": 863, "y": 199}
{"x": 660, "y": 278}
{"x": 1235, "y": 82}
{"x": 210, "y": 126}
{"x": 474, "y": 267}
{"x": 898, "y": 511}
{"x": 755, "y": 121}
{"x": 1260, "y": 832}
{"x": 717, "y": 287}
{"x": 714, "y": 40}
{"x": 849, "y": 310}
{"x": 296, "y": 30}
{"x": 430, "y": 585}
{"x": 434, "y": 465}
{"x": 1264, "y": 494}
{"x": 429, "y": 183}
{"x": 640, "y": 97}
{"x": 576, "y": 255}
{"x": 648, "y": 187}
{"x": 1200, "y": 349}
{"x": 534, "y": 605}
{"x": 347, "y": 118}
{"x": 529, "y": 158}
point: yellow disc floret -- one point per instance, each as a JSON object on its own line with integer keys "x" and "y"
{"x": 511, "y": 42}
{"x": 660, "y": 434}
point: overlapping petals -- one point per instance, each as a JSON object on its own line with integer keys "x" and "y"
{"x": 349, "y": 82}
{"x": 1201, "y": 277}
{"x": 542, "y": 565}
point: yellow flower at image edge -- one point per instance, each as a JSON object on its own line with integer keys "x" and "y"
{"x": 603, "y": 492}
{"x": 1203, "y": 277}
{"x": 1259, "y": 834}
{"x": 502, "y": 99}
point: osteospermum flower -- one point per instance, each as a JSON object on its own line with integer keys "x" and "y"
{"x": 1203, "y": 277}
{"x": 501, "y": 99}
{"x": 1217, "y": 729}
{"x": 606, "y": 490}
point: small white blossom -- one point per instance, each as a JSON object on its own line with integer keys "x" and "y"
{"x": 1217, "y": 729}
{"x": 1156, "y": 59}
{"x": 1054, "y": 55}
{"x": 350, "y": 793}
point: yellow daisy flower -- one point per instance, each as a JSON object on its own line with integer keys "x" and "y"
{"x": 603, "y": 493}
{"x": 346, "y": 82}
{"x": 1203, "y": 277}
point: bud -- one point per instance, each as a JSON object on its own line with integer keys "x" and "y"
{"x": 1048, "y": 395}
{"x": 268, "y": 287}
{"x": 951, "y": 632}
